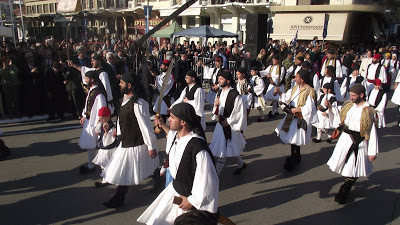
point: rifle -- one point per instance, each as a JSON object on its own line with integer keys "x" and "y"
{"x": 288, "y": 110}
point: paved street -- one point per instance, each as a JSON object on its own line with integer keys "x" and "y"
{"x": 41, "y": 184}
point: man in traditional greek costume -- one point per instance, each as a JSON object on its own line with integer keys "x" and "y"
{"x": 276, "y": 75}
{"x": 357, "y": 146}
{"x": 95, "y": 100}
{"x": 377, "y": 98}
{"x": 195, "y": 182}
{"x": 332, "y": 61}
{"x": 228, "y": 141}
{"x": 193, "y": 94}
{"x": 295, "y": 128}
{"x": 136, "y": 157}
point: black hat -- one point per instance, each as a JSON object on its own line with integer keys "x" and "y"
{"x": 96, "y": 57}
{"x": 127, "y": 78}
{"x": 305, "y": 64}
{"x": 276, "y": 56}
{"x": 359, "y": 79}
{"x": 243, "y": 70}
{"x": 91, "y": 74}
{"x": 303, "y": 74}
{"x": 254, "y": 68}
{"x": 358, "y": 89}
{"x": 328, "y": 86}
{"x": 301, "y": 58}
{"x": 355, "y": 67}
{"x": 331, "y": 68}
{"x": 186, "y": 112}
{"x": 191, "y": 73}
{"x": 330, "y": 52}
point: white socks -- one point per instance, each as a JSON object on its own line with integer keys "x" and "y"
{"x": 91, "y": 155}
{"x": 220, "y": 164}
{"x": 261, "y": 112}
{"x": 319, "y": 133}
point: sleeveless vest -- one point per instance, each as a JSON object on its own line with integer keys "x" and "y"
{"x": 190, "y": 93}
{"x": 230, "y": 102}
{"x": 378, "y": 97}
{"x": 90, "y": 100}
{"x": 131, "y": 135}
{"x": 183, "y": 182}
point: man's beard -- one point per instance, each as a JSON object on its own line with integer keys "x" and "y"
{"x": 358, "y": 100}
{"x": 89, "y": 84}
{"x": 224, "y": 84}
{"x": 164, "y": 70}
{"x": 125, "y": 90}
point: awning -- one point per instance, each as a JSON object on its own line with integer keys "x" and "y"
{"x": 310, "y": 25}
{"x": 191, "y": 11}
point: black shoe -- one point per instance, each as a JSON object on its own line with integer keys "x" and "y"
{"x": 277, "y": 114}
{"x": 260, "y": 119}
{"x": 316, "y": 140}
{"x": 211, "y": 123}
{"x": 99, "y": 184}
{"x": 50, "y": 118}
{"x": 86, "y": 170}
{"x": 113, "y": 203}
{"x": 329, "y": 140}
{"x": 340, "y": 199}
{"x": 270, "y": 115}
{"x": 239, "y": 170}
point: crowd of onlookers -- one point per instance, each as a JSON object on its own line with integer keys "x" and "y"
{"x": 35, "y": 78}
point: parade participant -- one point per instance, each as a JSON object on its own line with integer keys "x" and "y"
{"x": 357, "y": 145}
{"x": 330, "y": 78}
{"x": 258, "y": 96}
{"x": 213, "y": 73}
{"x": 95, "y": 100}
{"x": 101, "y": 74}
{"x": 350, "y": 80}
{"x": 377, "y": 98}
{"x": 386, "y": 64}
{"x": 396, "y": 96}
{"x": 276, "y": 75}
{"x": 313, "y": 76}
{"x": 375, "y": 70}
{"x": 292, "y": 71}
{"x": 193, "y": 94}
{"x": 107, "y": 142}
{"x": 295, "y": 128}
{"x": 195, "y": 182}
{"x": 244, "y": 87}
{"x": 167, "y": 98}
{"x": 228, "y": 141}
{"x": 366, "y": 62}
{"x": 136, "y": 157}
{"x": 332, "y": 61}
{"x": 327, "y": 110}
{"x": 394, "y": 66}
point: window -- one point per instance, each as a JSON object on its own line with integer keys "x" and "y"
{"x": 100, "y": 3}
{"x": 39, "y": 9}
{"x": 51, "y": 8}
{"x": 45, "y": 8}
{"x": 91, "y": 3}
{"x": 33, "y": 9}
{"x": 28, "y": 10}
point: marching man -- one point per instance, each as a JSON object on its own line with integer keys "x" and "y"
{"x": 377, "y": 98}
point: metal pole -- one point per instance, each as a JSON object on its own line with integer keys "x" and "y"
{"x": 22, "y": 21}
{"x": 12, "y": 21}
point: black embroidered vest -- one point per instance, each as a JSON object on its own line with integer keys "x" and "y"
{"x": 183, "y": 182}
{"x": 190, "y": 93}
{"x": 131, "y": 135}
{"x": 378, "y": 97}
{"x": 230, "y": 102}
{"x": 90, "y": 100}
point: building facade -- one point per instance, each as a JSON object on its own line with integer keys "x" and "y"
{"x": 122, "y": 18}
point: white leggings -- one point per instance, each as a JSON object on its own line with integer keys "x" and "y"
{"x": 220, "y": 162}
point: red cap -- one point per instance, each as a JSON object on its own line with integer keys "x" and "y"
{"x": 166, "y": 62}
{"x": 377, "y": 56}
{"x": 377, "y": 82}
{"x": 104, "y": 112}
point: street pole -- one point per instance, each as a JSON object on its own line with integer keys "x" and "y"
{"x": 22, "y": 21}
{"x": 12, "y": 21}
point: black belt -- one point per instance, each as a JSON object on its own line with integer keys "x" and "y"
{"x": 357, "y": 139}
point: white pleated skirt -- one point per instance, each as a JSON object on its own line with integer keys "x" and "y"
{"x": 130, "y": 166}
{"x": 323, "y": 122}
{"x": 337, "y": 163}
{"x": 269, "y": 95}
{"x": 88, "y": 139}
{"x": 294, "y": 136}
{"x": 162, "y": 211}
{"x": 221, "y": 148}
{"x": 396, "y": 96}
{"x": 103, "y": 157}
